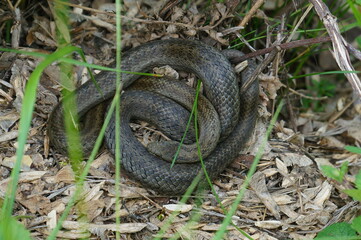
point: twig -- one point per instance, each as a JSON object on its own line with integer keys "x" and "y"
{"x": 299, "y": 23}
{"x": 5, "y": 95}
{"x": 17, "y": 3}
{"x": 303, "y": 95}
{"x": 354, "y": 51}
{"x": 10, "y": 5}
{"x": 16, "y": 29}
{"x": 251, "y": 12}
{"x": 273, "y": 53}
{"x": 339, "y": 113}
{"x": 260, "y": 68}
{"x": 290, "y": 108}
{"x": 245, "y": 42}
{"x": 284, "y": 46}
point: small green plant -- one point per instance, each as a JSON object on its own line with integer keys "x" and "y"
{"x": 339, "y": 231}
{"x": 353, "y": 149}
{"x": 343, "y": 230}
{"x": 320, "y": 88}
{"x": 13, "y": 230}
{"x": 334, "y": 173}
{"x": 355, "y": 193}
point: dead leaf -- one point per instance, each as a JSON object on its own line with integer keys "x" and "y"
{"x": 181, "y": 208}
{"x": 271, "y": 224}
{"x": 122, "y": 228}
{"x": 258, "y": 184}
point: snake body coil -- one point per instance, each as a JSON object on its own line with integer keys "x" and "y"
{"x": 237, "y": 111}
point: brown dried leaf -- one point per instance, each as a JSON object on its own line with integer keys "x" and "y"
{"x": 92, "y": 208}
{"x": 177, "y": 14}
{"x": 9, "y": 136}
{"x": 24, "y": 177}
{"x": 47, "y": 41}
{"x": 270, "y": 84}
{"x": 25, "y": 162}
{"x": 218, "y": 37}
{"x": 129, "y": 192}
{"x": 324, "y": 194}
{"x": 270, "y": 224}
{"x": 8, "y": 119}
{"x": 65, "y": 175}
{"x": 36, "y": 204}
{"x": 292, "y": 159}
{"x": 122, "y": 228}
{"x": 181, "y": 208}
{"x": 258, "y": 184}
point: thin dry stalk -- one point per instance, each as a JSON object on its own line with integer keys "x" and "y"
{"x": 251, "y": 12}
{"x": 340, "y": 53}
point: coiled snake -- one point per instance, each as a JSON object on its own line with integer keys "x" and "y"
{"x": 236, "y": 111}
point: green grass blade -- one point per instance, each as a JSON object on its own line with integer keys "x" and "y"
{"x": 194, "y": 108}
{"x": 199, "y": 148}
{"x": 13, "y": 230}
{"x": 356, "y": 12}
{"x": 81, "y": 179}
{"x": 78, "y": 63}
{"x": 117, "y": 115}
{"x": 24, "y": 125}
{"x": 184, "y": 199}
{"x": 220, "y": 233}
{"x": 323, "y": 73}
{"x": 353, "y": 149}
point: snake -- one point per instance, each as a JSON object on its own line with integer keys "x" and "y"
{"x": 236, "y": 110}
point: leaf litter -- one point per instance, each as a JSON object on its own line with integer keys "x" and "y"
{"x": 288, "y": 196}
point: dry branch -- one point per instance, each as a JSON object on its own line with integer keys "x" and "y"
{"x": 339, "y": 44}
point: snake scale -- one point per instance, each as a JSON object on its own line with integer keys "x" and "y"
{"x": 236, "y": 110}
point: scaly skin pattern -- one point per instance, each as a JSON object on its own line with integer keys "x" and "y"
{"x": 182, "y": 94}
{"x": 237, "y": 111}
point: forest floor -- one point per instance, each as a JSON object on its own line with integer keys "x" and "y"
{"x": 288, "y": 197}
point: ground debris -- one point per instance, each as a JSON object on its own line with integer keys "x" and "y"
{"x": 288, "y": 197}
